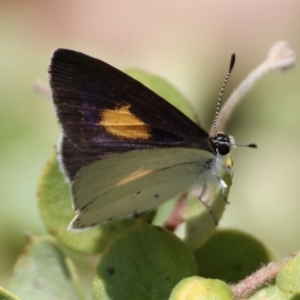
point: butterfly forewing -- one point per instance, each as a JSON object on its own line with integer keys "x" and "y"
{"x": 103, "y": 111}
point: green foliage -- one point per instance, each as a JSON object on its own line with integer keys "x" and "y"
{"x": 44, "y": 272}
{"x": 288, "y": 279}
{"x": 144, "y": 263}
{"x": 271, "y": 292}
{"x": 231, "y": 255}
{"x": 140, "y": 260}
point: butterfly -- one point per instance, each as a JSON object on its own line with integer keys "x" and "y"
{"x": 123, "y": 148}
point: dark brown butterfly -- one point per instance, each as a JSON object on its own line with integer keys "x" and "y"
{"x": 124, "y": 148}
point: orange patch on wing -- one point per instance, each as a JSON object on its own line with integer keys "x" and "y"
{"x": 122, "y": 123}
{"x": 133, "y": 176}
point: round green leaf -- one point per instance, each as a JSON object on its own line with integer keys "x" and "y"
{"x": 56, "y": 211}
{"x": 197, "y": 288}
{"x": 231, "y": 255}
{"x": 144, "y": 263}
{"x": 164, "y": 89}
{"x": 43, "y": 272}
{"x": 271, "y": 292}
{"x": 288, "y": 279}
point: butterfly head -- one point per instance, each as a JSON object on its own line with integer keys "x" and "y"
{"x": 223, "y": 142}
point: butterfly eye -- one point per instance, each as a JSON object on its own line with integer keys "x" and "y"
{"x": 221, "y": 143}
{"x": 223, "y": 149}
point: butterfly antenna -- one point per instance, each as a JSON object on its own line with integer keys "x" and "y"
{"x": 245, "y": 145}
{"x": 232, "y": 60}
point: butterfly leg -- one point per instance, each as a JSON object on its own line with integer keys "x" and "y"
{"x": 203, "y": 191}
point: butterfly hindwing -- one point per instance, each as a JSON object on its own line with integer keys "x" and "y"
{"x": 134, "y": 182}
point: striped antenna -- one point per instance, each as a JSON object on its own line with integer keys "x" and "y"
{"x": 232, "y": 60}
{"x": 245, "y": 145}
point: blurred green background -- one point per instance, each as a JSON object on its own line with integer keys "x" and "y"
{"x": 187, "y": 42}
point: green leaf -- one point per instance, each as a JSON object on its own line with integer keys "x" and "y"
{"x": 231, "y": 255}
{"x": 288, "y": 279}
{"x": 6, "y": 295}
{"x": 43, "y": 272}
{"x": 271, "y": 292}
{"x": 197, "y": 288}
{"x": 144, "y": 263}
{"x": 164, "y": 89}
{"x": 56, "y": 211}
